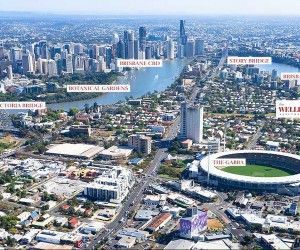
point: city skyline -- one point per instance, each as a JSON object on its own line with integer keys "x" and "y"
{"x": 165, "y": 7}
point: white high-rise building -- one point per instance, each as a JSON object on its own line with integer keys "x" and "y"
{"x": 191, "y": 124}
{"x": 39, "y": 66}
{"x": 27, "y": 62}
{"x": 131, "y": 45}
{"x": 171, "y": 50}
{"x": 44, "y": 66}
{"x": 69, "y": 64}
{"x": 52, "y": 68}
{"x": 113, "y": 184}
{"x": 9, "y": 72}
{"x": 115, "y": 38}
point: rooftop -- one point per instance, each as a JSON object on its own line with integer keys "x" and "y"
{"x": 76, "y": 150}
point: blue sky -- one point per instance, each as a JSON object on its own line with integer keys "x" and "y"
{"x": 172, "y": 7}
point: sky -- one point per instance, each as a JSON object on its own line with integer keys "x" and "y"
{"x": 156, "y": 7}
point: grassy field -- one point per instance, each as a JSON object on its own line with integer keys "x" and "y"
{"x": 7, "y": 142}
{"x": 257, "y": 171}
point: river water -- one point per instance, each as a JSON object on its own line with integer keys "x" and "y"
{"x": 281, "y": 68}
{"x": 141, "y": 82}
{"x": 151, "y": 79}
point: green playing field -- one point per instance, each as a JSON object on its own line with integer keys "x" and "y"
{"x": 257, "y": 171}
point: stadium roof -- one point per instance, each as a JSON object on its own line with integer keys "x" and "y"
{"x": 213, "y": 171}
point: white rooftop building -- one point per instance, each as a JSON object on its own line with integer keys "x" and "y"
{"x": 113, "y": 184}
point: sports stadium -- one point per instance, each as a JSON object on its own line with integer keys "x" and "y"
{"x": 265, "y": 171}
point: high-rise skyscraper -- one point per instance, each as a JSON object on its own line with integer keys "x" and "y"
{"x": 191, "y": 123}
{"x": 108, "y": 56}
{"x": 180, "y": 51}
{"x": 148, "y": 53}
{"x": 130, "y": 44}
{"x": 1, "y": 52}
{"x": 142, "y": 38}
{"x": 52, "y": 68}
{"x": 136, "y": 49}
{"x": 69, "y": 64}
{"x": 16, "y": 54}
{"x": 115, "y": 38}
{"x": 43, "y": 49}
{"x": 121, "y": 49}
{"x": 95, "y": 51}
{"x": 199, "y": 47}
{"x": 171, "y": 49}
{"x": 126, "y": 43}
{"x": 27, "y": 63}
{"x": 9, "y": 72}
{"x": 190, "y": 48}
{"x": 182, "y": 35}
{"x": 78, "y": 49}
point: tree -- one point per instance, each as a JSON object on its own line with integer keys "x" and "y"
{"x": 73, "y": 111}
{"x": 45, "y": 207}
{"x": 95, "y": 106}
{"x": 87, "y": 108}
{"x": 8, "y": 222}
{"x": 11, "y": 242}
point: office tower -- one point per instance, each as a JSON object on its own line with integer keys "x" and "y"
{"x": 126, "y": 32}
{"x": 16, "y": 54}
{"x": 191, "y": 123}
{"x": 102, "y": 64}
{"x": 39, "y": 67}
{"x": 59, "y": 65}
{"x": 102, "y": 50}
{"x": 54, "y": 51}
{"x": 27, "y": 63}
{"x": 36, "y": 50}
{"x": 95, "y": 51}
{"x": 86, "y": 63}
{"x": 140, "y": 143}
{"x": 190, "y": 48}
{"x": 44, "y": 66}
{"x": 68, "y": 48}
{"x": 130, "y": 44}
{"x": 136, "y": 49}
{"x": 121, "y": 49}
{"x": 69, "y": 64}
{"x": 1, "y": 52}
{"x": 142, "y": 38}
{"x": 52, "y": 68}
{"x": 250, "y": 70}
{"x": 94, "y": 65}
{"x": 9, "y": 72}
{"x": 78, "y": 49}
{"x": 108, "y": 56}
{"x": 180, "y": 51}
{"x": 115, "y": 38}
{"x": 148, "y": 53}
{"x": 199, "y": 47}
{"x": 171, "y": 49}
{"x": 43, "y": 47}
{"x": 141, "y": 55}
{"x": 193, "y": 224}
{"x": 274, "y": 74}
{"x": 182, "y": 35}
{"x": 78, "y": 64}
